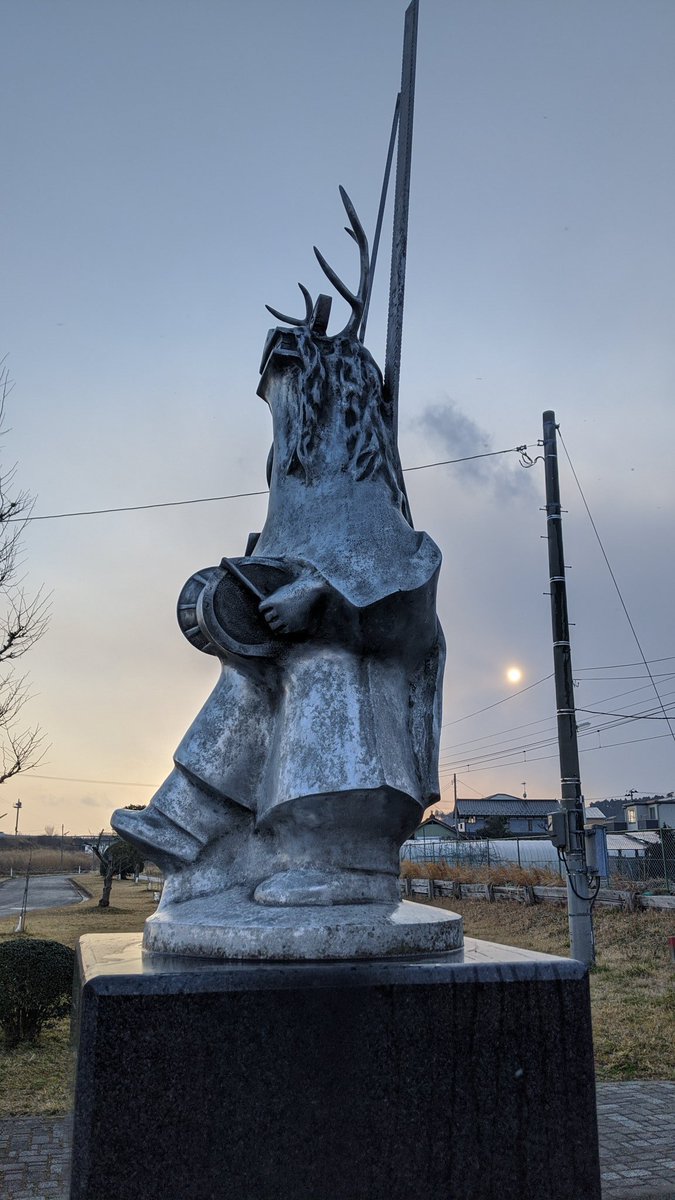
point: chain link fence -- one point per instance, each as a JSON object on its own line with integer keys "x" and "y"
{"x": 652, "y": 864}
{"x": 645, "y": 857}
{"x": 483, "y": 852}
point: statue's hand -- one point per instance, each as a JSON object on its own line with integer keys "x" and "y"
{"x": 289, "y": 609}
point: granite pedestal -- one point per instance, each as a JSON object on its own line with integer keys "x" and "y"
{"x": 468, "y": 1076}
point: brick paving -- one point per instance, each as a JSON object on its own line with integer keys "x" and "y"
{"x": 637, "y": 1147}
{"x": 636, "y": 1122}
{"x": 34, "y": 1158}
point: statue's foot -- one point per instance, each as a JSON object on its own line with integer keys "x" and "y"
{"x": 157, "y": 836}
{"x": 304, "y": 886}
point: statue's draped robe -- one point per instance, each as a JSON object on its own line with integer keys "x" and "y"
{"x": 355, "y": 706}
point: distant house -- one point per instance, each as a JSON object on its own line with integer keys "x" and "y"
{"x": 436, "y": 827}
{"x": 612, "y": 810}
{"x": 502, "y": 814}
{"x": 650, "y": 812}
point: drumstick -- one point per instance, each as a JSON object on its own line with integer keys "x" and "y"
{"x": 228, "y": 565}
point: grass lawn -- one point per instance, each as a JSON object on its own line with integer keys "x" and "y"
{"x": 632, "y": 987}
{"x": 36, "y": 1079}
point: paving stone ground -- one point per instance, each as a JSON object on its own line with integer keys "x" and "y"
{"x": 637, "y": 1147}
{"x": 636, "y": 1122}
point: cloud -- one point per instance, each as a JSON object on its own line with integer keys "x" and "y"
{"x": 453, "y": 432}
{"x": 93, "y": 802}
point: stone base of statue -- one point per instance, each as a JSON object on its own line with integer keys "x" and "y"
{"x": 232, "y": 926}
{"x": 466, "y": 1075}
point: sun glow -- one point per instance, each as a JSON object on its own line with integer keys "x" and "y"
{"x": 514, "y": 674}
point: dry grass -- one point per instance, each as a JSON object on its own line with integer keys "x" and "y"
{"x": 43, "y": 861}
{"x": 35, "y": 1080}
{"x": 632, "y": 985}
{"x": 499, "y": 876}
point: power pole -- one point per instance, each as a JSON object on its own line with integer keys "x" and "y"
{"x": 18, "y": 806}
{"x": 567, "y": 827}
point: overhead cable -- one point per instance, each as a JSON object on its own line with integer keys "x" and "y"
{"x": 96, "y": 512}
{"x": 616, "y": 585}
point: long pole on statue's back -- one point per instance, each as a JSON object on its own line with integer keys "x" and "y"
{"x": 399, "y": 245}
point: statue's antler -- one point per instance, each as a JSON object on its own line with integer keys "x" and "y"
{"x": 357, "y": 301}
{"x": 309, "y": 308}
{"x": 316, "y": 315}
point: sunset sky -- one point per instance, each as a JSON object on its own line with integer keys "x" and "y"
{"x": 167, "y": 167}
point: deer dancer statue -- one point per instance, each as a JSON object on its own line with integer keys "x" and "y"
{"x": 317, "y": 751}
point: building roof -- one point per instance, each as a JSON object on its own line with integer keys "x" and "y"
{"x": 632, "y": 841}
{"x": 502, "y": 805}
{"x": 610, "y": 808}
{"x": 595, "y": 814}
{"x": 435, "y": 820}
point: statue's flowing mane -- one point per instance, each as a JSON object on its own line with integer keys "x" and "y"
{"x": 340, "y": 374}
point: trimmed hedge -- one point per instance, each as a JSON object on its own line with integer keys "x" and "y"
{"x": 36, "y": 983}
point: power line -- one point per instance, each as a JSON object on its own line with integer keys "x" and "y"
{"x": 626, "y": 717}
{"x": 550, "y": 720}
{"x": 473, "y": 789}
{"x": 616, "y": 585}
{"x": 616, "y": 666}
{"x": 496, "y": 752}
{"x": 498, "y": 733}
{"x": 611, "y": 678}
{"x": 96, "y": 512}
{"x": 498, "y": 702}
{"x": 469, "y": 458}
{"x": 545, "y": 757}
{"x": 106, "y": 782}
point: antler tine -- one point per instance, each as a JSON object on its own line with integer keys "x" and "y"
{"x": 309, "y": 304}
{"x": 357, "y": 232}
{"x": 309, "y": 308}
{"x": 335, "y": 279}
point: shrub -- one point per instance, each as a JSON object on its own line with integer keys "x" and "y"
{"x": 36, "y": 983}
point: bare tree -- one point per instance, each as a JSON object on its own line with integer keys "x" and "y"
{"x": 107, "y": 862}
{"x": 49, "y": 830}
{"x": 23, "y": 618}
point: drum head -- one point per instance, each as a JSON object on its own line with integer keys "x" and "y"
{"x": 218, "y": 611}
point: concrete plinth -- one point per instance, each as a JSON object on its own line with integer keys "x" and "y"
{"x": 468, "y": 1075}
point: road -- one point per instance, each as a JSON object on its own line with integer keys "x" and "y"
{"x": 44, "y": 891}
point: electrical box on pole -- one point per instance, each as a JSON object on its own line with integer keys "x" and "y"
{"x": 567, "y": 827}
